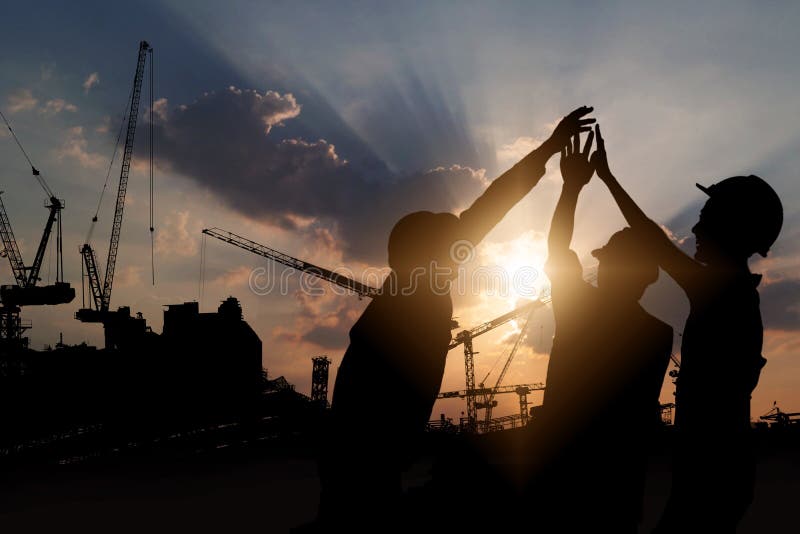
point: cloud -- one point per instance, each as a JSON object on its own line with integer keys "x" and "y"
{"x": 161, "y": 108}
{"x": 92, "y": 80}
{"x": 129, "y": 276}
{"x": 177, "y": 236}
{"x": 226, "y": 142}
{"x": 56, "y": 106}
{"x": 76, "y": 147}
{"x": 510, "y": 153}
{"x": 323, "y": 320}
{"x": 237, "y": 277}
{"x": 105, "y": 126}
{"x": 21, "y": 100}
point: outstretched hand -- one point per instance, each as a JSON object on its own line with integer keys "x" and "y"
{"x": 599, "y": 159}
{"x": 576, "y": 168}
{"x": 570, "y": 126}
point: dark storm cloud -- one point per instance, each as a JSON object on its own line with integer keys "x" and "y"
{"x": 230, "y": 142}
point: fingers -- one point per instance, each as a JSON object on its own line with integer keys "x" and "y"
{"x": 600, "y": 141}
{"x": 588, "y": 147}
{"x": 576, "y": 144}
{"x": 563, "y": 152}
{"x": 581, "y": 111}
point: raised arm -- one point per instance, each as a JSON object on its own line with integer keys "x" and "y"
{"x": 576, "y": 170}
{"x": 678, "y": 265}
{"x": 503, "y": 193}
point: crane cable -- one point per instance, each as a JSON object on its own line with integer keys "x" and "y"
{"x": 152, "y": 178}
{"x": 108, "y": 173}
{"x": 34, "y": 170}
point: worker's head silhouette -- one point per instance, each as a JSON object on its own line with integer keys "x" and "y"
{"x": 421, "y": 240}
{"x": 742, "y": 216}
{"x": 625, "y": 268}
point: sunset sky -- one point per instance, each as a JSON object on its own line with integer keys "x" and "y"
{"x": 313, "y": 128}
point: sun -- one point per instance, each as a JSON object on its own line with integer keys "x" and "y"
{"x": 518, "y": 264}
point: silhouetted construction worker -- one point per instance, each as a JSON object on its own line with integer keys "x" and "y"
{"x": 604, "y": 377}
{"x": 721, "y": 361}
{"x": 391, "y": 373}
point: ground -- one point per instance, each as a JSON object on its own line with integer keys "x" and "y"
{"x": 273, "y": 490}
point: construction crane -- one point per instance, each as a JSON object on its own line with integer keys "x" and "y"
{"x": 25, "y": 292}
{"x": 780, "y": 418}
{"x": 362, "y": 290}
{"x": 465, "y": 338}
{"x": 101, "y": 294}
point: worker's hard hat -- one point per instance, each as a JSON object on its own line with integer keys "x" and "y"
{"x": 421, "y": 237}
{"x": 628, "y": 247}
{"x": 755, "y": 205}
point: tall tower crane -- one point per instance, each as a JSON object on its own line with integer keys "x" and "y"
{"x": 25, "y": 292}
{"x": 101, "y": 294}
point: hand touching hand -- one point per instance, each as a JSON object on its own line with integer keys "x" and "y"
{"x": 571, "y": 125}
{"x": 576, "y": 168}
{"x": 599, "y": 159}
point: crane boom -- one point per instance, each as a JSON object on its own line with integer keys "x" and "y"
{"x": 116, "y": 228}
{"x": 302, "y": 266}
{"x": 464, "y": 335}
{"x": 11, "y": 249}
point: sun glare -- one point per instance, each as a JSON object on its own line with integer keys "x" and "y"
{"x": 520, "y": 262}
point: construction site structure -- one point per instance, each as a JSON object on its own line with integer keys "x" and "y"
{"x": 319, "y": 380}
{"x": 522, "y": 390}
{"x": 778, "y": 418}
{"x": 100, "y": 294}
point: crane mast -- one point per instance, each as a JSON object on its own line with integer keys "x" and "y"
{"x": 116, "y": 228}
{"x": 101, "y": 296}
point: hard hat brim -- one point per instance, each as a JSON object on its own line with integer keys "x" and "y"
{"x": 704, "y": 189}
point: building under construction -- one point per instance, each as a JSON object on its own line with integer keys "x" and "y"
{"x": 202, "y": 372}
